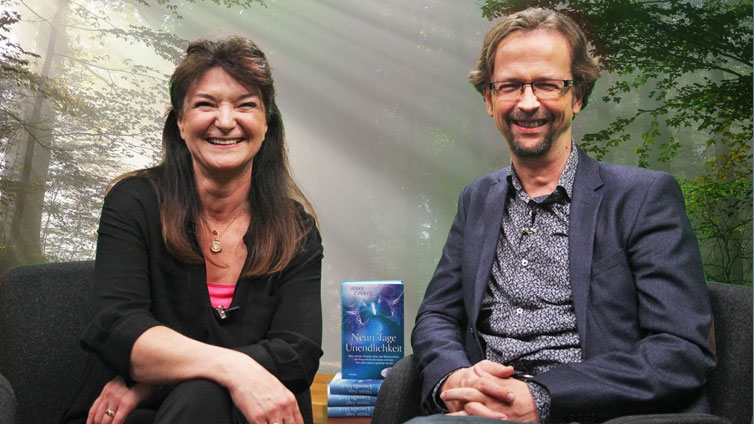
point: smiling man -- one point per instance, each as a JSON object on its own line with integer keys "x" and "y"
{"x": 568, "y": 289}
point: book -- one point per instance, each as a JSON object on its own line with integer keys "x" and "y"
{"x": 349, "y": 400}
{"x": 350, "y": 411}
{"x": 341, "y": 386}
{"x": 349, "y": 420}
{"x": 372, "y": 328}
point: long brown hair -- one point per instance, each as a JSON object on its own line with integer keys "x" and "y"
{"x": 278, "y": 225}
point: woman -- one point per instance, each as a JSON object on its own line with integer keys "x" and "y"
{"x": 208, "y": 272}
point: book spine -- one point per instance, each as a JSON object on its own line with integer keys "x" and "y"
{"x": 355, "y": 387}
{"x": 350, "y": 411}
{"x": 351, "y": 400}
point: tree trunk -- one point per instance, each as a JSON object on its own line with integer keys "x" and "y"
{"x": 23, "y": 235}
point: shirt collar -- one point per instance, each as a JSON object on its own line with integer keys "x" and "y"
{"x": 565, "y": 182}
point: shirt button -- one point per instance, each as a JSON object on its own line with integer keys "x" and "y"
{"x": 519, "y": 311}
{"x": 524, "y": 262}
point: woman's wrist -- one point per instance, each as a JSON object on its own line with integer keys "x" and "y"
{"x": 231, "y": 366}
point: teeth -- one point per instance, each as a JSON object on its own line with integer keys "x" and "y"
{"x": 531, "y": 124}
{"x": 224, "y": 142}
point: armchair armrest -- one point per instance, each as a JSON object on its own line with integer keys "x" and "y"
{"x": 8, "y": 404}
{"x": 399, "y": 398}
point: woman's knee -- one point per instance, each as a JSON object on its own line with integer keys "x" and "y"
{"x": 200, "y": 389}
{"x": 196, "y": 401}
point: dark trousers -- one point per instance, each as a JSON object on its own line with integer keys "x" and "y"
{"x": 193, "y": 401}
{"x": 689, "y": 418}
{"x": 442, "y": 419}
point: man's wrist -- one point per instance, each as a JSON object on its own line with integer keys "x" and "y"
{"x": 541, "y": 397}
{"x": 439, "y": 404}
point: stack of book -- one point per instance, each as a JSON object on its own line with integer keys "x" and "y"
{"x": 351, "y": 397}
{"x": 372, "y": 333}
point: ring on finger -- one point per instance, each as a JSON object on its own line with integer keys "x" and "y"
{"x": 109, "y": 412}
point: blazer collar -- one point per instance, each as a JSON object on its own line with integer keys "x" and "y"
{"x": 585, "y": 205}
{"x": 493, "y": 217}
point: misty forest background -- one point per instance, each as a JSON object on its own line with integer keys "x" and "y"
{"x": 383, "y": 128}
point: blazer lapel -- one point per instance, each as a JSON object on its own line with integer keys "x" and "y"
{"x": 493, "y": 216}
{"x": 582, "y": 223}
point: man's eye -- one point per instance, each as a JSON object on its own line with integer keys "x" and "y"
{"x": 547, "y": 86}
{"x": 508, "y": 87}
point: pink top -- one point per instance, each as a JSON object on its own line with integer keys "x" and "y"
{"x": 220, "y": 294}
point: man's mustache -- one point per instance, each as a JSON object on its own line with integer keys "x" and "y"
{"x": 539, "y": 115}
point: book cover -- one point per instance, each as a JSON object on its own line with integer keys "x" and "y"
{"x": 349, "y": 400}
{"x": 341, "y": 386}
{"x": 350, "y": 411}
{"x": 372, "y": 328}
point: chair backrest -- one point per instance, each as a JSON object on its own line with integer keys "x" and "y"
{"x": 43, "y": 311}
{"x": 729, "y": 386}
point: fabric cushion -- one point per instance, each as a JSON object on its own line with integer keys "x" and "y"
{"x": 44, "y": 311}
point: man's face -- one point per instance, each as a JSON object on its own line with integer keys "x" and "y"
{"x": 531, "y": 125}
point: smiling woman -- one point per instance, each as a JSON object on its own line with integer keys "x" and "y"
{"x": 223, "y": 124}
{"x": 208, "y": 267}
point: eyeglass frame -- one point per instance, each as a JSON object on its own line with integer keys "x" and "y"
{"x": 566, "y": 84}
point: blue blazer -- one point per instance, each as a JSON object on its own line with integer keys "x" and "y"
{"x": 639, "y": 295}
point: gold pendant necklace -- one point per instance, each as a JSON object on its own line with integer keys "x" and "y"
{"x": 216, "y": 246}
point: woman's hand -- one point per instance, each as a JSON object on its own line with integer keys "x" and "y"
{"x": 261, "y": 397}
{"x": 117, "y": 401}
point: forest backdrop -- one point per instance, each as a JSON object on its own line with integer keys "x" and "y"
{"x": 383, "y": 129}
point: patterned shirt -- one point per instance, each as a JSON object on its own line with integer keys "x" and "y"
{"x": 527, "y": 318}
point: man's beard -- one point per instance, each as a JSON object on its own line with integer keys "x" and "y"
{"x": 540, "y": 149}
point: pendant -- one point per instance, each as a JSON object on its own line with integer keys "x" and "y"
{"x": 216, "y": 246}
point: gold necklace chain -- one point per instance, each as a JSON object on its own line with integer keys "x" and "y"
{"x": 216, "y": 246}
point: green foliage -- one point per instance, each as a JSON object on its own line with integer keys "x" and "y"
{"x": 722, "y": 213}
{"x": 692, "y": 61}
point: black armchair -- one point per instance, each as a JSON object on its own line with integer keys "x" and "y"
{"x": 729, "y": 386}
{"x": 43, "y": 311}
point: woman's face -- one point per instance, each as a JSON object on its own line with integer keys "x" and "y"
{"x": 223, "y": 124}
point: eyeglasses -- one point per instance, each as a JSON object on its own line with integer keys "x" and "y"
{"x": 543, "y": 89}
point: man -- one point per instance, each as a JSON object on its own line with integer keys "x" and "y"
{"x": 568, "y": 290}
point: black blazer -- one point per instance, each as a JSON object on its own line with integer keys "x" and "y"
{"x": 140, "y": 285}
{"x": 641, "y": 303}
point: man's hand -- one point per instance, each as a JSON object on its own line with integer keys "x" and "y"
{"x": 475, "y": 384}
{"x": 487, "y": 390}
{"x": 522, "y": 409}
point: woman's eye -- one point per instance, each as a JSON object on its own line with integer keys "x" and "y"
{"x": 249, "y": 105}
{"x": 202, "y": 104}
